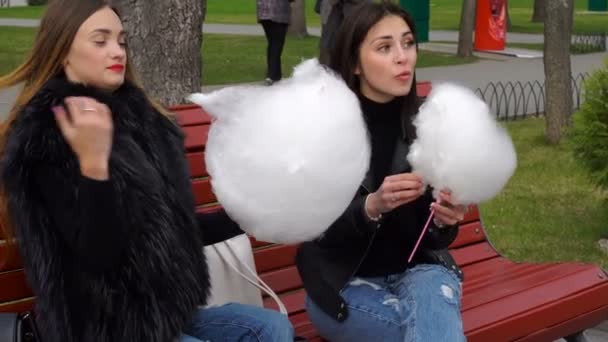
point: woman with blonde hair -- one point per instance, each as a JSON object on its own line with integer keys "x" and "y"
{"x": 96, "y": 190}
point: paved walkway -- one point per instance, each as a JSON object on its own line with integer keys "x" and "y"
{"x": 474, "y": 75}
{"x": 490, "y": 68}
{"x": 256, "y": 30}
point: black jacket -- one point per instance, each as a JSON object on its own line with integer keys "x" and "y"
{"x": 327, "y": 264}
{"x": 119, "y": 260}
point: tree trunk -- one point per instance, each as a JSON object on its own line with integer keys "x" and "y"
{"x": 467, "y": 26}
{"x": 539, "y": 14}
{"x": 558, "y": 87}
{"x": 297, "y": 26}
{"x": 165, "y": 39}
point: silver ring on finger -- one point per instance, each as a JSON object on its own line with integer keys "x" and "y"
{"x": 86, "y": 107}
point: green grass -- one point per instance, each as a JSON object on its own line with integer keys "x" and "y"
{"x": 218, "y": 12}
{"x": 22, "y": 12}
{"x": 528, "y": 46}
{"x": 224, "y": 63}
{"x": 550, "y": 210}
{"x": 244, "y": 12}
{"x": 15, "y": 43}
{"x": 445, "y": 14}
{"x": 232, "y": 59}
{"x": 228, "y": 58}
{"x": 582, "y": 48}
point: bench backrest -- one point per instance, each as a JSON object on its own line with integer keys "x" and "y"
{"x": 502, "y": 300}
{"x": 274, "y": 262}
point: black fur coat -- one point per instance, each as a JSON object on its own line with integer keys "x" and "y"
{"x": 154, "y": 289}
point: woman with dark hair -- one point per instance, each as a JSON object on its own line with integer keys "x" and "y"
{"x": 359, "y": 283}
{"x": 332, "y": 14}
{"x": 96, "y": 190}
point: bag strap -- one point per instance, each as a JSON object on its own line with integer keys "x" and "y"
{"x": 28, "y": 321}
{"x": 258, "y": 282}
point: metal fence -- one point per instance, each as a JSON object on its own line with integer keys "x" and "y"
{"x": 588, "y": 42}
{"x": 513, "y": 100}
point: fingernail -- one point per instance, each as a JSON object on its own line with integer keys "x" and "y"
{"x": 56, "y": 109}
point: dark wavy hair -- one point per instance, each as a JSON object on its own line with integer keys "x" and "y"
{"x": 345, "y": 53}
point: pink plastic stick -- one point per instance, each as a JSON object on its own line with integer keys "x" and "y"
{"x": 426, "y": 226}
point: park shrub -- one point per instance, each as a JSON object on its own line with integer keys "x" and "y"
{"x": 590, "y": 133}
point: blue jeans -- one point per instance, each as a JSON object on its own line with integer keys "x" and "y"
{"x": 421, "y": 304}
{"x": 238, "y": 322}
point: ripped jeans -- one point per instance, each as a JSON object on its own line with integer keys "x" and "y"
{"x": 421, "y": 304}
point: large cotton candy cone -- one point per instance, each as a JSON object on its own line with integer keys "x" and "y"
{"x": 286, "y": 160}
{"x": 459, "y": 146}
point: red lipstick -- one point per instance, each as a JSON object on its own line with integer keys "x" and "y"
{"x": 116, "y": 67}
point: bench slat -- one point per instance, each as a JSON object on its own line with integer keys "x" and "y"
{"x": 293, "y": 301}
{"x": 502, "y": 300}
{"x": 299, "y": 319}
{"x": 22, "y": 305}
{"x": 191, "y": 115}
{"x": 468, "y": 234}
{"x": 479, "y": 269}
{"x": 480, "y": 273}
{"x": 202, "y": 192}
{"x": 196, "y": 160}
{"x": 257, "y": 244}
{"x": 196, "y": 136}
{"x": 9, "y": 260}
{"x": 519, "y": 279}
{"x": 471, "y": 215}
{"x": 423, "y": 88}
{"x": 274, "y": 257}
{"x": 525, "y": 320}
{"x": 473, "y": 253}
{"x": 14, "y": 286}
{"x": 283, "y": 280}
{"x": 589, "y": 319}
{"x": 539, "y": 307}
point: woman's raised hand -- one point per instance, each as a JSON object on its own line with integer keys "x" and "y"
{"x": 446, "y": 212}
{"x": 395, "y": 190}
{"x": 87, "y": 127}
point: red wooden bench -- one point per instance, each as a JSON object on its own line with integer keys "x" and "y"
{"x": 502, "y": 301}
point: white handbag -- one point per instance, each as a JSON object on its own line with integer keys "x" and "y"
{"x": 233, "y": 276}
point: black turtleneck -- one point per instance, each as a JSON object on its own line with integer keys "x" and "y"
{"x": 384, "y": 125}
{"x": 356, "y": 247}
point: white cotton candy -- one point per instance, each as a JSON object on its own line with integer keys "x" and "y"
{"x": 459, "y": 146}
{"x": 286, "y": 160}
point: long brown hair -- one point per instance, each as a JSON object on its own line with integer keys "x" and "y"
{"x": 57, "y": 30}
{"x": 345, "y": 53}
